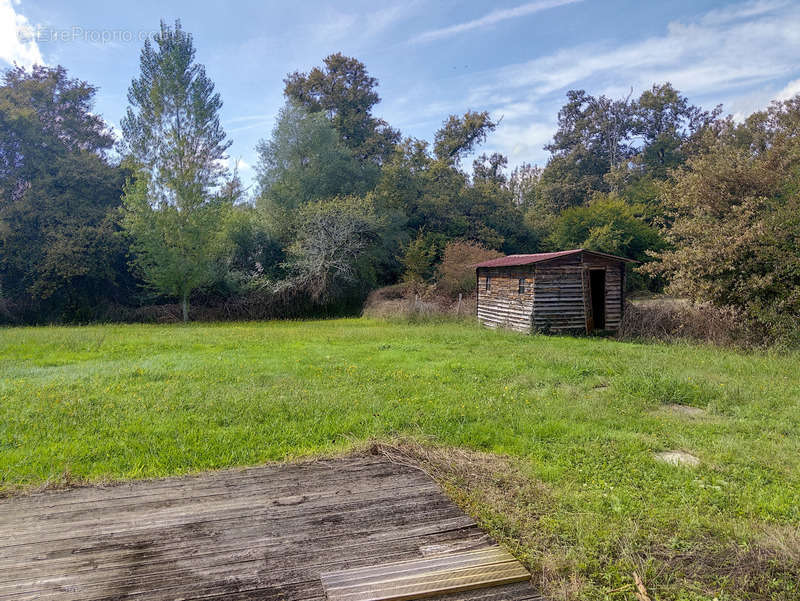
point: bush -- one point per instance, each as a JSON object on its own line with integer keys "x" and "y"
{"x": 418, "y": 258}
{"x": 735, "y": 222}
{"x": 456, "y": 273}
{"x": 670, "y": 319}
{"x": 411, "y": 301}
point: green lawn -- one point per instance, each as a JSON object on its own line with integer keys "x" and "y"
{"x": 580, "y": 419}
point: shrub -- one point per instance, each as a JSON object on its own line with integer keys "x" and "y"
{"x": 413, "y": 300}
{"x": 456, "y": 273}
{"x": 608, "y": 224}
{"x": 735, "y": 222}
{"x": 674, "y": 319}
{"x": 418, "y": 257}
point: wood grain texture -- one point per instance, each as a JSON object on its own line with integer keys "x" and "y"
{"x": 424, "y": 578}
{"x": 503, "y": 305}
{"x": 264, "y": 533}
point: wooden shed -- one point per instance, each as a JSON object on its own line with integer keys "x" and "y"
{"x": 570, "y": 290}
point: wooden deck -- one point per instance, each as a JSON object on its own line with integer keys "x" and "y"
{"x": 264, "y": 533}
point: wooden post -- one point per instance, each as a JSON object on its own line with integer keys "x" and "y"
{"x": 587, "y": 298}
{"x": 477, "y": 295}
{"x": 458, "y": 308}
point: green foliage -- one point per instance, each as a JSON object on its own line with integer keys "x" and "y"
{"x": 171, "y": 128}
{"x": 172, "y": 134}
{"x": 60, "y": 256}
{"x": 460, "y": 135}
{"x": 304, "y": 161}
{"x": 433, "y": 194}
{"x": 418, "y": 258}
{"x": 734, "y": 226}
{"x": 608, "y": 224}
{"x": 490, "y": 169}
{"x": 667, "y": 124}
{"x": 601, "y": 142}
{"x": 176, "y": 250}
{"x": 256, "y": 255}
{"x": 345, "y": 92}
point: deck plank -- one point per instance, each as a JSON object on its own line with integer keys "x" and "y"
{"x": 232, "y": 535}
{"x": 428, "y": 577}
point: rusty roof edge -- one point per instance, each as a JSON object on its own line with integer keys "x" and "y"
{"x": 609, "y": 256}
{"x": 527, "y": 258}
{"x": 542, "y": 258}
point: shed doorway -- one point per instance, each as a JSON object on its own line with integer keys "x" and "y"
{"x": 597, "y": 287}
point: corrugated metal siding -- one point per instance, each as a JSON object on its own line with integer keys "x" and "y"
{"x": 558, "y": 295}
{"x": 503, "y": 305}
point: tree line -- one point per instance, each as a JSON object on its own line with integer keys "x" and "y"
{"x": 92, "y": 227}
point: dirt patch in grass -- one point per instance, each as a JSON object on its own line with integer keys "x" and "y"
{"x": 678, "y": 458}
{"x": 686, "y": 410}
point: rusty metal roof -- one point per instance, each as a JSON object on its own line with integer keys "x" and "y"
{"x": 512, "y": 260}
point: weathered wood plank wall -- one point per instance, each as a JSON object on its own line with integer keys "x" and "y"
{"x": 557, "y": 294}
{"x": 558, "y": 291}
{"x": 502, "y": 305}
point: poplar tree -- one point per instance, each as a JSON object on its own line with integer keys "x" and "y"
{"x": 172, "y": 135}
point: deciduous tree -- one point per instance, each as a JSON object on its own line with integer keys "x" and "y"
{"x": 304, "y": 161}
{"x": 59, "y": 251}
{"x": 345, "y": 92}
{"x": 734, "y": 222}
{"x": 331, "y": 251}
{"x": 459, "y": 136}
{"x": 172, "y": 134}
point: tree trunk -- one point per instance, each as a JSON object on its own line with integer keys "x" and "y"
{"x": 185, "y": 306}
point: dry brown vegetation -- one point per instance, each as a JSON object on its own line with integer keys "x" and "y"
{"x": 456, "y": 273}
{"x": 416, "y": 300}
{"x": 669, "y": 319}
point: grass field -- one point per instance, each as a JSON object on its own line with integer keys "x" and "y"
{"x": 564, "y": 432}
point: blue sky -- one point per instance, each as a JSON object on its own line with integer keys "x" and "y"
{"x": 514, "y": 58}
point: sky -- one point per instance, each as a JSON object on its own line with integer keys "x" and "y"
{"x": 514, "y": 59}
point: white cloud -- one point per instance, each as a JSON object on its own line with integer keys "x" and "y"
{"x": 491, "y": 18}
{"x": 523, "y": 141}
{"x": 746, "y": 10}
{"x": 791, "y": 90}
{"x": 335, "y": 26}
{"x": 740, "y": 56}
{"x": 17, "y": 37}
{"x": 248, "y": 122}
{"x": 241, "y": 165}
{"x": 695, "y": 57}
